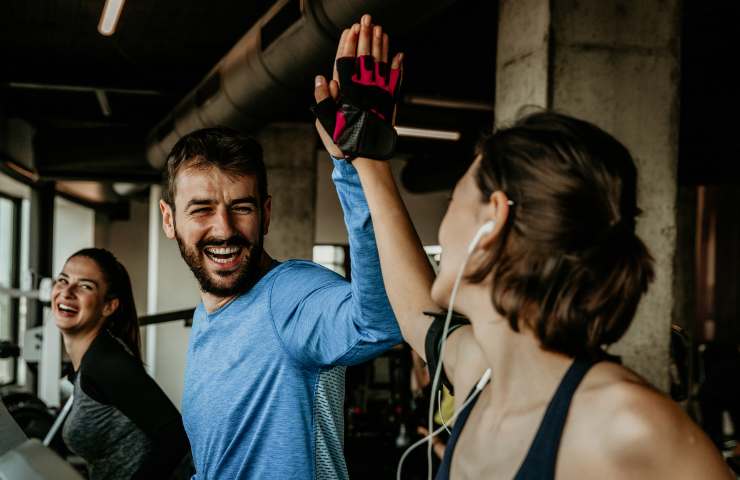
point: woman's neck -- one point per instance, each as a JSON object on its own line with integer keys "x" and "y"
{"x": 523, "y": 374}
{"x": 77, "y": 344}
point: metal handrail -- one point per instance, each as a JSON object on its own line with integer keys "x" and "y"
{"x": 186, "y": 315}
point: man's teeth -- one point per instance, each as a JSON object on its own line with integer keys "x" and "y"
{"x": 222, "y": 250}
{"x": 66, "y": 308}
{"x": 222, "y": 260}
{"x": 222, "y": 254}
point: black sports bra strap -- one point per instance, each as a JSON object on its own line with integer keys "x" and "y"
{"x": 543, "y": 453}
{"x": 443, "y": 473}
{"x": 539, "y": 463}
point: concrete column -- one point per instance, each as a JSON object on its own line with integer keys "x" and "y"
{"x": 616, "y": 64}
{"x": 522, "y": 57}
{"x": 290, "y": 156}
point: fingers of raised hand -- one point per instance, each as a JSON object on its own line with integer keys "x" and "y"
{"x": 396, "y": 74}
{"x": 349, "y": 49}
{"x": 364, "y": 43}
{"x": 342, "y": 40}
{"x": 334, "y": 89}
{"x": 321, "y": 89}
{"x": 397, "y": 62}
{"x": 377, "y": 49}
{"x": 340, "y": 49}
{"x": 384, "y": 48}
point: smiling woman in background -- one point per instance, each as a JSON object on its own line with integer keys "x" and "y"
{"x": 121, "y": 422}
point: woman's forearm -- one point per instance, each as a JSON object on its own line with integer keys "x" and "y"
{"x": 407, "y": 273}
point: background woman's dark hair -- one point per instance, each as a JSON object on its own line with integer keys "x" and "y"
{"x": 568, "y": 263}
{"x": 123, "y": 323}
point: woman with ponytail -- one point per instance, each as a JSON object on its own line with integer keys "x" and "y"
{"x": 539, "y": 252}
{"x": 121, "y": 422}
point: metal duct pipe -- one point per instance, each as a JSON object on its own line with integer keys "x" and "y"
{"x": 264, "y": 74}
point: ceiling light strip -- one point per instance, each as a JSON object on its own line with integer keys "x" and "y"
{"x": 109, "y": 18}
{"x": 452, "y": 103}
{"x": 428, "y": 133}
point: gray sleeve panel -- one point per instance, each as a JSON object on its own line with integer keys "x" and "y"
{"x": 329, "y": 426}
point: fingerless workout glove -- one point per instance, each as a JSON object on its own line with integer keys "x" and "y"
{"x": 361, "y": 121}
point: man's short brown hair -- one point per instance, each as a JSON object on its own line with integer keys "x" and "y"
{"x": 220, "y": 147}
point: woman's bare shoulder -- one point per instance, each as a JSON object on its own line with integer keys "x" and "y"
{"x": 639, "y": 430}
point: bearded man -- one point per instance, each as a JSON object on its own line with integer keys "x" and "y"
{"x": 264, "y": 382}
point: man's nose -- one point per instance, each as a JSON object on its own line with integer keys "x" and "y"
{"x": 223, "y": 224}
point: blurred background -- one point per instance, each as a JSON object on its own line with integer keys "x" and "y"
{"x": 86, "y": 121}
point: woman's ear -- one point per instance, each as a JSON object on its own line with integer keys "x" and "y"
{"x": 496, "y": 211}
{"x": 110, "y": 307}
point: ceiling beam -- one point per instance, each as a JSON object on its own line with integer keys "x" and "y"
{"x": 80, "y": 88}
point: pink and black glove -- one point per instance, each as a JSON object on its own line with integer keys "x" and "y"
{"x": 360, "y": 121}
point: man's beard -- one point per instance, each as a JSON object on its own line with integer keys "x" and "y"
{"x": 246, "y": 275}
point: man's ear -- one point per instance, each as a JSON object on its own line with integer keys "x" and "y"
{"x": 168, "y": 219}
{"x": 497, "y": 211}
{"x": 266, "y": 212}
{"x": 110, "y": 307}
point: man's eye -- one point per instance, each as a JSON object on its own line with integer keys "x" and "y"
{"x": 198, "y": 210}
{"x": 243, "y": 209}
{"x": 86, "y": 287}
{"x": 61, "y": 281}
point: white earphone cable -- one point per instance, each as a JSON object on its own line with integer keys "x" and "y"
{"x": 483, "y": 230}
{"x": 478, "y": 388}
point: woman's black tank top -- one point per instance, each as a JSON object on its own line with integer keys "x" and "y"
{"x": 540, "y": 460}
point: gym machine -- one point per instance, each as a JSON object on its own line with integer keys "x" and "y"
{"x": 29, "y": 459}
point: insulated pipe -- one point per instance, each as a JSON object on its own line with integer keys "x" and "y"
{"x": 269, "y": 68}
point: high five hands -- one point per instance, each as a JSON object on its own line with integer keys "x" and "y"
{"x": 355, "y": 111}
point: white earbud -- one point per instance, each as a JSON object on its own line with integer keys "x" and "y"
{"x": 484, "y": 229}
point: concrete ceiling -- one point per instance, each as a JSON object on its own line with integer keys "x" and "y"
{"x": 53, "y": 60}
{"x": 56, "y": 65}
{"x": 163, "y": 49}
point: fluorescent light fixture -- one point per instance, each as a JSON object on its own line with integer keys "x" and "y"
{"x": 452, "y": 103}
{"x": 427, "y": 133}
{"x": 103, "y": 101}
{"x": 109, "y": 18}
